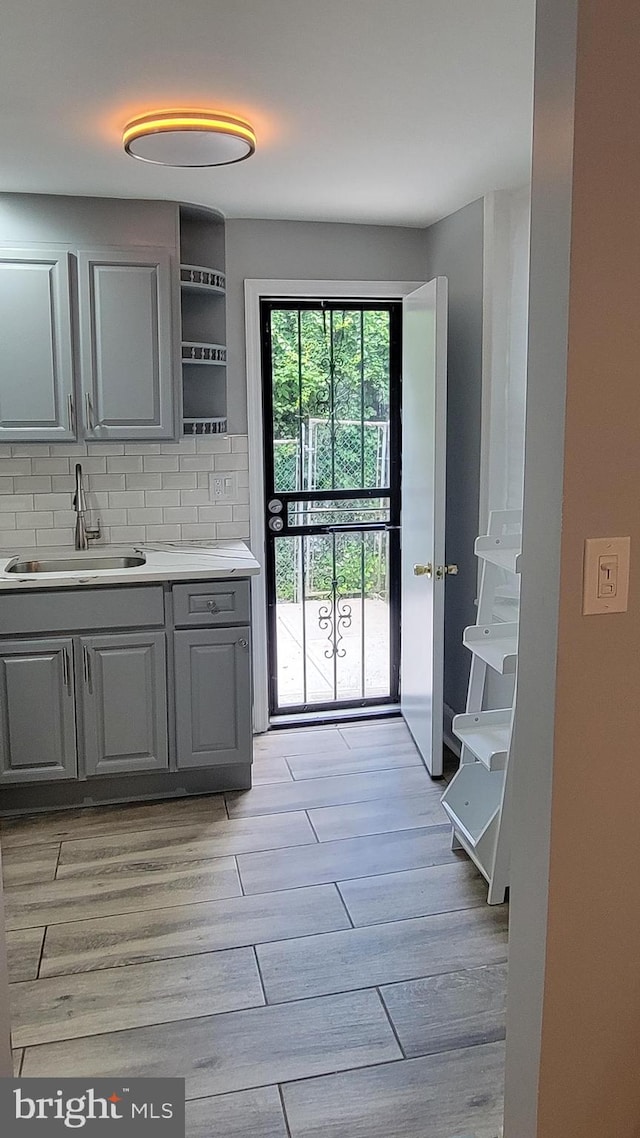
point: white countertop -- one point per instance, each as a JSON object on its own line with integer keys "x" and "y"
{"x": 171, "y": 561}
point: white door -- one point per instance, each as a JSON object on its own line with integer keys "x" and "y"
{"x": 424, "y": 428}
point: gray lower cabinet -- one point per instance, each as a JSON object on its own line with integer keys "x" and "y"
{"x": 97, "y": 684}
{"x": 36, "y": 350}
{"x": 127, "y": 354}
{"x": 37, "y": 711}
{"x": 124, "y": 702}
{"x": 213, "y": 696}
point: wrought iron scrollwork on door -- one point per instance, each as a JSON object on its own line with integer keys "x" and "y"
{"x": 335, "y": 615}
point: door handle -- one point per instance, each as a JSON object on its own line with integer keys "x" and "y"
{"x": 89, "y": 410}
{"x": 72, "y": 413}
{"x": 446, "y": 570}
{"x": 423, "y": 570}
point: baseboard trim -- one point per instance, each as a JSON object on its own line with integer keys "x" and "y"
{"x": 29, "y": 798}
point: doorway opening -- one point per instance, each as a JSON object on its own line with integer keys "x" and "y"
{"x": 331, "y": 372}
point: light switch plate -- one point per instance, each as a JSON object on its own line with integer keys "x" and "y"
{"x": 606, "y": 574}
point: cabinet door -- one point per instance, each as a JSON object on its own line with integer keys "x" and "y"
{"x": 124, "y": 702}
{"x": 126, "y": 343}
{"x": 36, "y": 355}
{"x": 37, "y": 711}
{"x": 213, "y": 697}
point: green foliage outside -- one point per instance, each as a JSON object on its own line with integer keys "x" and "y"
{"x": 355, "y": 554}
{"x": 333, "y": 367}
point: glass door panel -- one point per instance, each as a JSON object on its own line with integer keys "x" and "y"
{"x": 332, "y": 401}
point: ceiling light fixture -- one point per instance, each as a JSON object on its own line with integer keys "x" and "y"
{"x": 189, "y": 138}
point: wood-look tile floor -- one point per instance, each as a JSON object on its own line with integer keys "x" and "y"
{"x": 310, "y": 954}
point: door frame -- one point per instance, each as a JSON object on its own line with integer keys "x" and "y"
{"x": 256, "y": 290}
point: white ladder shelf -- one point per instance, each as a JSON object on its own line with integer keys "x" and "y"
{"x": 476, "y": 796}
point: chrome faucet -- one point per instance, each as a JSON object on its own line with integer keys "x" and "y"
{"x": 84, "y": 533}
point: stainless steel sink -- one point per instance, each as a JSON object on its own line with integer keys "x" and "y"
{"x": 78, "y": 564}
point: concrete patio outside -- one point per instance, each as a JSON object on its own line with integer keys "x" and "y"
{"x": 350, "y": 682}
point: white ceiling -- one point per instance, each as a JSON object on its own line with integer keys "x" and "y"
{"x": 388, "y": 111}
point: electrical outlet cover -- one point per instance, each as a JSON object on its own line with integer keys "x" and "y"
{"x": 224, "y": 486}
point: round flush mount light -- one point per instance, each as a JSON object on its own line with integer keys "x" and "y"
{"x": 189, "y": 138}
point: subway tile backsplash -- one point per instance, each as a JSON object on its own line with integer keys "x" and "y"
{"x": 140, "y": 491}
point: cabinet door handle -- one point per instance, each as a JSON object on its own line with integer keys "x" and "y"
{"x": 66, "y": 670}
{"x": 243, "y": 642}
{"x": 86, "y": 663}
{"x": 72, "y": 413}
{"x": 89, "y": 410}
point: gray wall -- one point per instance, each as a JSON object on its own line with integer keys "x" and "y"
{"x": 454, "y": 249}
{"x": 87, "y": 221}
{"x": 300, "y": 250}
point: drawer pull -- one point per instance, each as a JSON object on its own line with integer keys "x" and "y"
{"x": 212, "y": 606}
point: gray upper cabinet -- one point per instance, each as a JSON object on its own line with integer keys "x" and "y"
{"x": 37, "y": 717}
{"x": 213, "y": 697}
{"x": 124, "y": 702}
{"x": 36, "y": 348}
{"x": 127, "y": 359}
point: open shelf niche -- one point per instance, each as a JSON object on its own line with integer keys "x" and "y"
{"x": 203, "y": 302}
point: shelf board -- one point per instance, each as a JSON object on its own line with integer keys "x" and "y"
{"x": 501, "y": 551}
{"x": 203, "y": 352}
{"x": 496, "y": 644}
{"x": 486, "y": 734}
{"x": 472, "y": 801}
{"x": 205, "y": 426}
{"x": 198, "y": 278}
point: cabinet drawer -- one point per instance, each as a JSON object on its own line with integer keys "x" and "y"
{"x": 211, "y": 602}
{"x": 72, "y": 610}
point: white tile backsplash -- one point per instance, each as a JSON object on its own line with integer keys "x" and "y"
{"x": 125, "y": 464}
{"x": 38, "y": 520}
{"x": 141, "y": 491}
{"x": 144, "y": 481}
{"x": 126, "y": 499}
{"x": 158, "y": 463}
{"x": 196, "y": 462}
{"x": 107, "y": 481}
{"x": 162, "y": 497}
{"x": 181, "y": 481}
{"x": 104, "y": 449}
